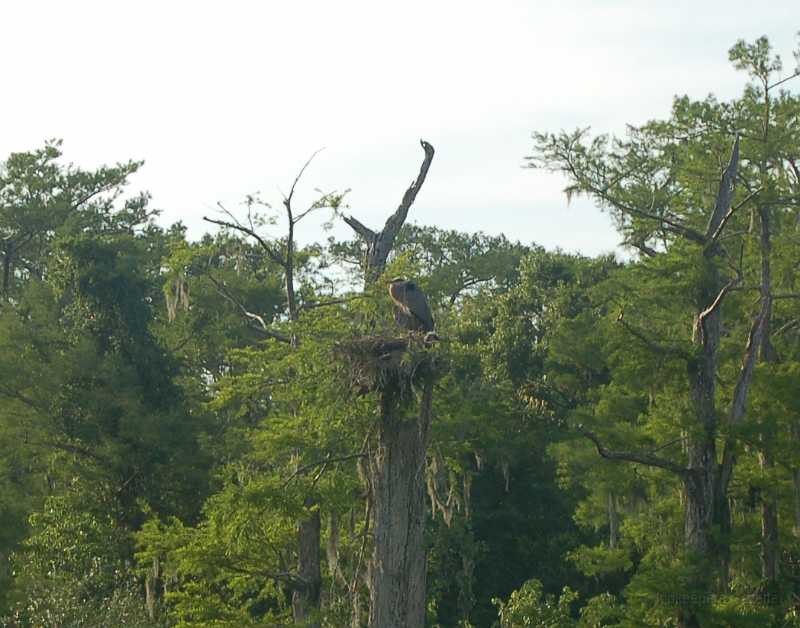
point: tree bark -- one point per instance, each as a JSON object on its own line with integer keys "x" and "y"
{"x": 398, "y": 568}
{"x": 306, "y": 598}
{"x": 151, "y": 587}
{"x": 700, "y": 481}
{"x": 6, "y": 273}
{"x": 397, "y": 572}
{"x": 769, "y": 500}
{"x": 769, "y": 526}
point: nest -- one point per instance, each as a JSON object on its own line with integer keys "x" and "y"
{"x": 391, "y": 365}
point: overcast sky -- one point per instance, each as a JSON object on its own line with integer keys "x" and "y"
{"x": 222, "y": 99}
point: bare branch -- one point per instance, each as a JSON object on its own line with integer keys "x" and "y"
{"x": 229, "y": 213}
{"x": 396, "y": 220}
{"x": 652, "y": 344}
{"x": 379, "y": 245}
{"x": 725, "y": 193}
{"x": 324, "y": 462}
{"x": 262, "y": 324}
{"x": 237, "y": 226}
{"x": 629, "y": 456}
{"x": 788, "y": 78}
{"x": 73, "y": 449}
{"x": 702, "y": 316}
{"x": 786, "y": 327}
{"x": 643, "y": 248}
{"x": 666, "y": 223}
{"x": 467, "y": 283}
{"x": 90, "y": 195}
{"x": 754, "y": 340}
{"x": 294, "y": 581}
{"x": 365, "y": 232}
{"x": 23, "y": 398}
{"x": 310, "y": 305}
{"x": 287, "y": 201}
{"x": 728, "y": 215}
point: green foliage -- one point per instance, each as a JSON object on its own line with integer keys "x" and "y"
{"x": 169, "y": 424}
{"x": 597, "y": 561}
{"x": 73, "y": 567}
{"x": 529, "y": 606}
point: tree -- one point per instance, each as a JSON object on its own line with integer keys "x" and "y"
{"x": 40, "y": 198}
{"x": 658, "y": 184}
{"x": 397, "y": 466}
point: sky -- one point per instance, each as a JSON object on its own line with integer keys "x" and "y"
{"x": 224, "y": 99}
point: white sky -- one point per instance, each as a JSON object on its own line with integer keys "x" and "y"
{"x": 222, "y": 99}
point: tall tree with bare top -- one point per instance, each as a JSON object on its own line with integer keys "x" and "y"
{"x": 397, "y": 576}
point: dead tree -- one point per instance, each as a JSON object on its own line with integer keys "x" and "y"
{"x": 380, "y": 244}
{"x": 402, "y": 372}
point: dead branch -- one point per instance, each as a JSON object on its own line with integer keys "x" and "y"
{"x": 379, "y": 245}
{"x": 729, "y": 214}
{"x": 651, "y": 344}
{"x": 702, "y": 316}
{"x": 287, "y": 200}
{"x": 724, "y": 194}
{"x": 310, "y": 305}
{"x": 630, "y": 456}
{"x": 324, "y": 462}
{"x": 265, "y": 329}
{"x": 236, "y": 226}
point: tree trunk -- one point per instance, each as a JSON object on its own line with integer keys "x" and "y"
{"x": 306, "y": 598}
{"x": 397, "y": 571}
{"x": 769, "y": 501}
{"x": 700, "y": 482}
{"x": 769, "y": 526}
{"x": 796, "y": 489}
{"x": 151, "y": 582}
{"x": 6, "y": 273}
{"x": 398, "y": 568}
{"x": 699, "y": 511}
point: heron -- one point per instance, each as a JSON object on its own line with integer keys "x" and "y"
{"x": 411, "y": 306}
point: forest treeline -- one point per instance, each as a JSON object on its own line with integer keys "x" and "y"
{"x": 188, "y": 438}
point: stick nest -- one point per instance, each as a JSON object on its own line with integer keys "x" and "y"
{"x": 387, "y": 364}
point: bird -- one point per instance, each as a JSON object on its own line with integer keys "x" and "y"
{"x": 411, "y": 306}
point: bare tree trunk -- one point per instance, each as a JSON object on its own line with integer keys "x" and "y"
{"x": 306, "y": 598}
{"x": 380, "y": 244}
{"x": 398, "y": 569}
